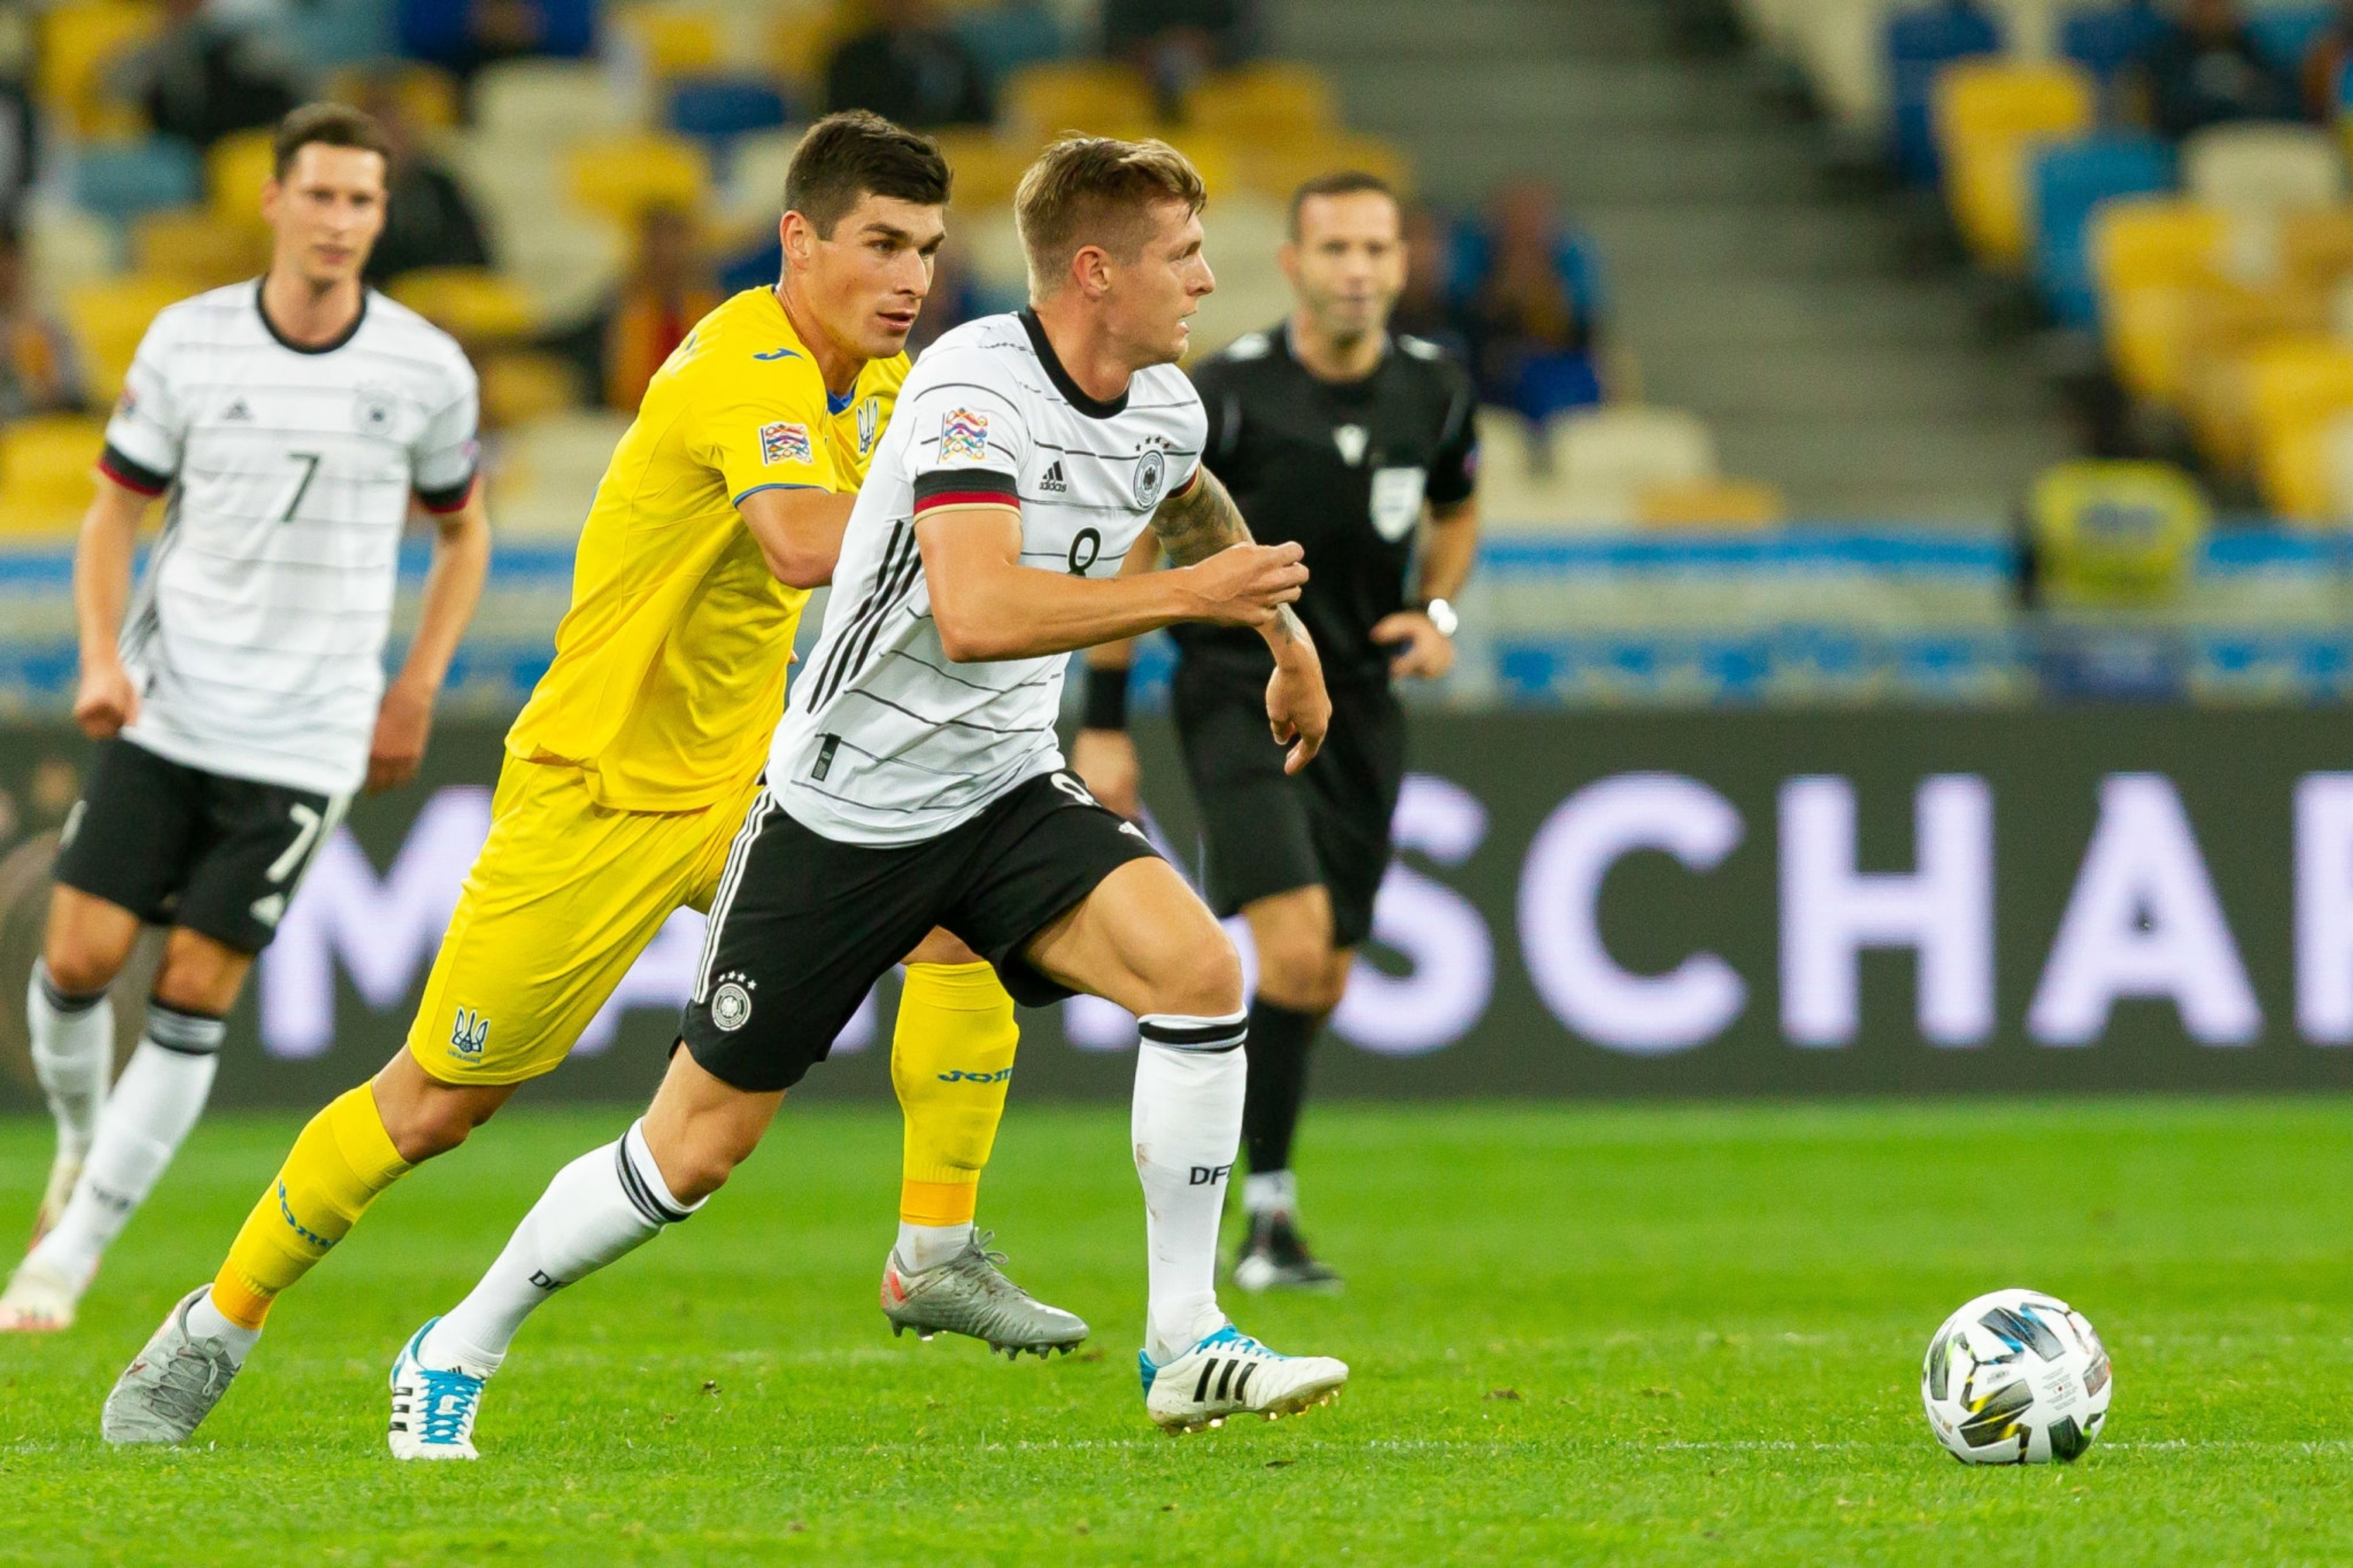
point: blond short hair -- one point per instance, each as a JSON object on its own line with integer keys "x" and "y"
{"x": 1098, "y": 191}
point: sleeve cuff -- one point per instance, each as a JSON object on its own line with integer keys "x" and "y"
{"x": 965, "y": 487}
{"x": 132, "y": 476}
{"x": 452, "y": 498}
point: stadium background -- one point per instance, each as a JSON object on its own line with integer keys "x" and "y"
{"x": 1944, "y": 408}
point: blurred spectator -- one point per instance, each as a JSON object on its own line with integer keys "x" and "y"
{"x": 1528, "y": 314}
{"x": 19, "y": 125}
{"x": 203, "y": 76}
{"x": 39, "y": 372}
{"x": 1177, "y": 42}
{"x": 2324, "y": 66}
{"x": 463, "y": 35}
{"x": 670, "y": 287}
{"x": 908, "y": 68}
{"x": 2205, "y": 69}
{"x": 1426, "y": 308}
{"x": 428, "y": 221}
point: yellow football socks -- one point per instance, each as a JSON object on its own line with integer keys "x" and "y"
{"x": 951, "y": 1058}
{"x": 342, "y": 1160}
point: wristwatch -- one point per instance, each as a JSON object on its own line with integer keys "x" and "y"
{"x": 1441, "y": 615}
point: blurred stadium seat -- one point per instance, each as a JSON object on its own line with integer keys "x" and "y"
{"x": 1040, "y": 101}
{"x": 80, "y": 41}
{"x": 236, "y": 169}
{"x": 470, "y": 303}
{"x": 1988, "y": 115}
{"x": 548, "y": 469}
{"x": 1920, "y": 43}
{"x": 197, "y": 249}
{"x": 1263, "y": 103}
{"x": 619, "y": 177}
{"x": 1709, "y": 503}
{"x": 47, "y": 466}
{"x": 428, "y": 94}
{"x": 121, "y": 179}
{"x": 541, "y": 105}
{"x": 2267, "y": 168}
{"x": 1608, "y": 457}
{"x": 667, "y": 39}
{"x": 108, "y": 317}
{"x": 1280, "y": 169}
{"x": 2068, "y": 181}
{"x": 720, "y": 109}
{"x": 2296, "y": 393}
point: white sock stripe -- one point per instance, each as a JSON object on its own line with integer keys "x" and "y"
{"x": 65, "y": 1003}
{"x": 729, "y": 881}
{"x": 1178, "y": 1032}
{"x": 189, "y": 1034}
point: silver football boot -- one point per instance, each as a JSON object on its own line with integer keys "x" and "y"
{"x": 166, "y": 1392}
{"x": 970, "y": 1294}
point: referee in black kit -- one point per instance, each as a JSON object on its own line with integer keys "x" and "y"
{"x": 1361, "y": 447}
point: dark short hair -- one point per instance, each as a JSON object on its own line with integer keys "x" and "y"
{"x": 1343, "y": 183}
{"x": 326, "y": 125}
{"x": 846, "y": 157}
{"x": 1096, "y": 190}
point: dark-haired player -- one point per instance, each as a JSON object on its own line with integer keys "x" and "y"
{"x": 629, "y": 770}
{"x": 292, "y": 422}
{"x": 1360, "y": 445}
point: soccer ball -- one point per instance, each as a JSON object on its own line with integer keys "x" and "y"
{"x": 2016, "y": 1377}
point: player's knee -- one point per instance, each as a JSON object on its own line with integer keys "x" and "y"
{"x": 1206, "y": 979}
{"x": 421, "y": 1133}
{"x": 77, "y": 970}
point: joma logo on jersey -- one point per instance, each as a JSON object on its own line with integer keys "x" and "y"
{"x": 963, "y": 434}
{"x": 782, "y": 443}
{"x": 957, "y": 1074}
{"x": 469, "y": 1033}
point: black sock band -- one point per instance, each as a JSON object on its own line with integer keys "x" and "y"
{"x": 66, "y": 1003}
{"x": 1279, "y": 1042}
{"x": 189, "y": 1034}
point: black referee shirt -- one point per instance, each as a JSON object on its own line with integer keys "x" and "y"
{"x": 1343, "y": 467}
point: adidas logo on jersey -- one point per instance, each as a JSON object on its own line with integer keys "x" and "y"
{"x": 237, "y": 410}
{"x": 1054, "y": 482}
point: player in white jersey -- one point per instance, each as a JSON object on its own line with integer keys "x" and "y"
{"x": 290, "y": 424}
{"x": 915, "y": 783}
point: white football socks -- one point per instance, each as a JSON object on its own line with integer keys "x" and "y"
{"x": 599, "y": 1208}
{"x": 154, "y": 1104}
{"x": 1266, "y": 1193}
{"x": 922, "y": 1247}
{"x": 73, "y": 1055}
{"x": 1186, "y": 1128}
{"x": 205, "y": 1322}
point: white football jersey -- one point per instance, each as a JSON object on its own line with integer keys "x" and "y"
{"x": 886, "y": 741}
{"x": 256, "y": 636}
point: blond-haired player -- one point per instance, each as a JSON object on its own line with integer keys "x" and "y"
{"x": 629, "y": 770}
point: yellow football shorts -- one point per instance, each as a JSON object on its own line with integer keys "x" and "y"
{"x": 563, "y": 898}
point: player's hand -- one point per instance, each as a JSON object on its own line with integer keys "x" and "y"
{"x": 1105, "y": 762}
{"x": 402, "y": 725}
{"x": 105, "y": 700}
{"x": 1244, "y": 584}
{"x": 1298, "y": 708}
{"x": 1426, "y": 652}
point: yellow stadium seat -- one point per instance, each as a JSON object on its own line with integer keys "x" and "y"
{"x": 522, "y": 385}
{"x": 2153, "y": 259}
{"x": 199, "y": 247}
{"x": 1278, "y": 170}
{"x": 80, "y": 41}
{"x": 1264, "y": 102}
{"x": 1710, "y": 503}
{"x": 1040, "y": 101}
{"x": 46, "y": 474}
{"x": 473, "y": 304}
{"x": 1989, "y": 116}
{"x": 109, "y": 318}
{"x": 430, "y": 95}
{"x": 2295, "y": 389}
{"x": 621, "y": 176}
{"x": 236, "y": 169}
{"x": 986, "y": 169}
{"x": 1217, "y": 159}
{"x": 673, "y": 40}
{"x": 802, "y": 39}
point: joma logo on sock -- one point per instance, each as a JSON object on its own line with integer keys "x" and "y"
{"x": 959, "y": 1076}
{"x": 469, "y": 1033}
{"x": 1210, "y": 1175}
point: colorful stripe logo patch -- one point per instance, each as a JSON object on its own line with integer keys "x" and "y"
{"x": 782, "y": 443}
{"x": 963, "y": 434}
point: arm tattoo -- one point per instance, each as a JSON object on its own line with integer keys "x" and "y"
{"x": 1195, "y": 525}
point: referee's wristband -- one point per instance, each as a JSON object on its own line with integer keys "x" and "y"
{"x": 1106, "y": 705}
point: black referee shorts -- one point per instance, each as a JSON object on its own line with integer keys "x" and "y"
{"x": 804, "y": 925}
{"x": 1269, "y": 832}
{"x": 178, "y": 846}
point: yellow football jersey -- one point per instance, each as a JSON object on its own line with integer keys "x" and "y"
{"x": 669, "y": 665}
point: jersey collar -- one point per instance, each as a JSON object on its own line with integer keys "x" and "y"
{"x": 1282, "y": 335}
{"x": 346, "y": 335}
{"x": 1092, "y": 407}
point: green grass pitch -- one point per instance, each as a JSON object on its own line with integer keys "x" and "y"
{"x": 1684, "y": 1334}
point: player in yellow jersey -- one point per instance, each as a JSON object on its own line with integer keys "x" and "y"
{"x": 633, "y": 764}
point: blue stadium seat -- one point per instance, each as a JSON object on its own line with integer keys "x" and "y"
{"x": 328, "y": 33}
{"x": 714, "y": 109}
{"x": 2285, "y": 33}
{"x": 1919, "y": 43}
{"x": 2105, "y": 39}
{"x": 123, "y": 179}
{"x": 2069, "y": 181}
{"x": 1004, "y": 39}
